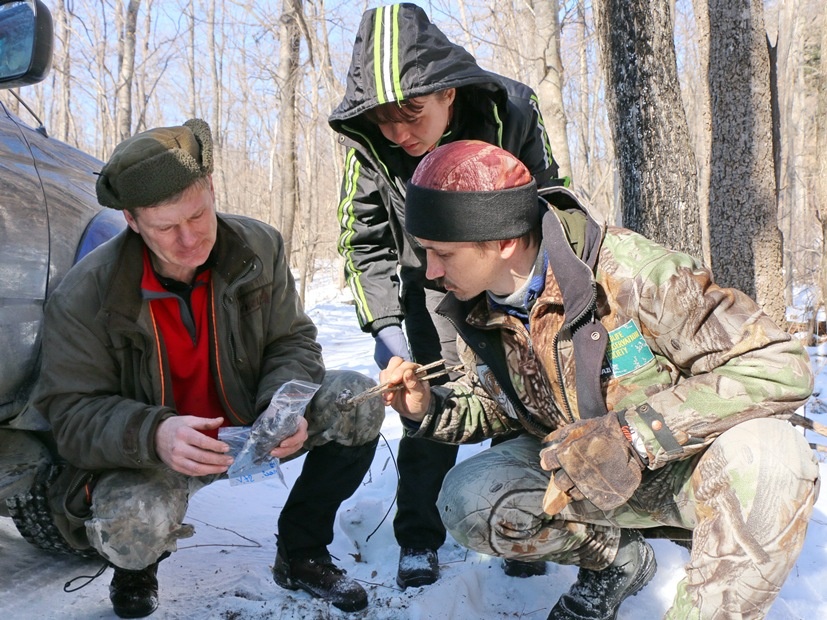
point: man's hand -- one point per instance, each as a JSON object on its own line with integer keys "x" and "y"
{"x": 413, "y": 398}
{"x": 591, "y": 459}
{"x": 183, "y": 447}
{"x": 292, "y": 444}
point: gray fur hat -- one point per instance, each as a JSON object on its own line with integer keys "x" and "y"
{"x": 150, "y": 167}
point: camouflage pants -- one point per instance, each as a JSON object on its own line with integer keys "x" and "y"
{"x": 747, "y": 498}
{"x": 137, "y": 515}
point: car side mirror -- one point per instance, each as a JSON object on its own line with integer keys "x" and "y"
{"x": 26, "y": 42}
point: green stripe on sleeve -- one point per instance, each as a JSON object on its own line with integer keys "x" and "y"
{"x": 346, "y": 218}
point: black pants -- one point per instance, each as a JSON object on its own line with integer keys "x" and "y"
{"x": 331, "y": 473}
{"x": 424, "y": 463}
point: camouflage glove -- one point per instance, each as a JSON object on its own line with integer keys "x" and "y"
{"x": 591, "y": 459}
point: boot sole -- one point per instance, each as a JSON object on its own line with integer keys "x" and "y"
{"x": 136, "y": 613}
{"x": 292, "y": 584}
{"x": 415, "y": 582}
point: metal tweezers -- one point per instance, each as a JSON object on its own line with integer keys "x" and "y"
{"x": 422, "y": 373}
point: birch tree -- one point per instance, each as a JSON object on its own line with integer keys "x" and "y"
{"x": 550, "y": 85}
{"x": 63, "y": 74}
{"x": 126, "y": 66}
{"x": 819, "y": 78}
{"x": 287, "y": 83}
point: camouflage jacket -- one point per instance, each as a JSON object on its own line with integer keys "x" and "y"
{"x": 621, "y": 324}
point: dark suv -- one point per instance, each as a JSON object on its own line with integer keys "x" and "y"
{"x": 49, "y": 218}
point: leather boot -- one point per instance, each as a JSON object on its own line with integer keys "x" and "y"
{"x": 597, "y": 595}
{"x": 417, "y": 567}
{"x": 134, "y": 593}
{"x": 320, "y": 577}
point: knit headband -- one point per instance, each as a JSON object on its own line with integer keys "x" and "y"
{"x": 439, "y": 215}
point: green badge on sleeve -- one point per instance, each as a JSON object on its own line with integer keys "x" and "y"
{"x": 627, "y": 350}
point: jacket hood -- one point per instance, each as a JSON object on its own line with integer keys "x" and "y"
{"x": 399, "y": 54}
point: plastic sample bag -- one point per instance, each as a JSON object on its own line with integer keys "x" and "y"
{"x": 250, "y": 446}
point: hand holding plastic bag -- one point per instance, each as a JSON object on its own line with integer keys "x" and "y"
{"x": 279, "y": 421}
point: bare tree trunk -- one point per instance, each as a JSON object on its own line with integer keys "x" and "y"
{"x": 192, "y": 64}
{"x": 126, "y": 43}
{"x": 142, "y": 89}
{"x": 64, "y": 35}
{"x": 106, "y": 136}
{"x": 287, "y": 81}
{"x": 583, "y": 125}
{"x": 468, "y": 44}
{"x": 655, "y": 160}
{"x": 218, "y": 94}
{"x": 745, "y": 242}
{"x": 550, "y": 87}
{"x": 820, "y": 192}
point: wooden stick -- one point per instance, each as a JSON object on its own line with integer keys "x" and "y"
{"x": 421, "y": 373}
{"x": 819, "y": 448}
{"x": 810, "y": 425}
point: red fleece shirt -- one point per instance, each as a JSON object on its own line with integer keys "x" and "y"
{"x": 186, "y": 341}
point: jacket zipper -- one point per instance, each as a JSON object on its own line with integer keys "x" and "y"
{"x": 232, "y": 287}
{"x": 572, "y": 326}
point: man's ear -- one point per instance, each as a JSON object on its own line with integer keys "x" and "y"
{"x": 508, "y": 247}
{"x": 130, "y": 221}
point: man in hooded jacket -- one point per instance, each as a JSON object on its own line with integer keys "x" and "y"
{"x": 650, "y": 397}
{"x": 408, "y": 89}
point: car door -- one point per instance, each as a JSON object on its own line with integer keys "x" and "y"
{"x": 24, "y": 262}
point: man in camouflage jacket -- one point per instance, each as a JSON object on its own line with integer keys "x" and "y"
{"x": 652, "y": 397}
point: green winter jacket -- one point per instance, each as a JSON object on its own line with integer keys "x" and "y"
{"x": 105, "y": 383}
{"x": 625, "y": 325}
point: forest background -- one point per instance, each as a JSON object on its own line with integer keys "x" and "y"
{"x": 700, "y": 123}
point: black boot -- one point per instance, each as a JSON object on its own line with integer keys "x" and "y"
{"x": 523, "y": 568}
{"x": 417, "y": 567}
{"x": 134, "y": 593}
{"x": 597, "y": 595}
{"x": 323, "y": 579}
{"x": 331, "y": 473}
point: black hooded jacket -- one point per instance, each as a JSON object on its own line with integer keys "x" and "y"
{"x": 401, "y": 57}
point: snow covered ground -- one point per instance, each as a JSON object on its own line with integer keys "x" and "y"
{"x": 223, "y": 572}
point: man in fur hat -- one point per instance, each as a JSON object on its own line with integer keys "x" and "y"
{"x": 186, "y": 322}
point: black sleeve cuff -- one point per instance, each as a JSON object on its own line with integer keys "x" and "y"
{"x": 388, "y": 321}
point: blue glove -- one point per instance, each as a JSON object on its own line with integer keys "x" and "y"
{"x": 390, "y": 341}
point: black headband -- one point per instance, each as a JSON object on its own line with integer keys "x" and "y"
{"x": 439, "y": 215}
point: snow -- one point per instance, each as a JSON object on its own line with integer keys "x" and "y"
{"x": 223, "y": 572}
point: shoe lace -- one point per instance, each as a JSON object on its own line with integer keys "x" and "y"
{"x": 69, "y": 587}
{"x": 327, "y": 565}
{"x": 141, "y": 575}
